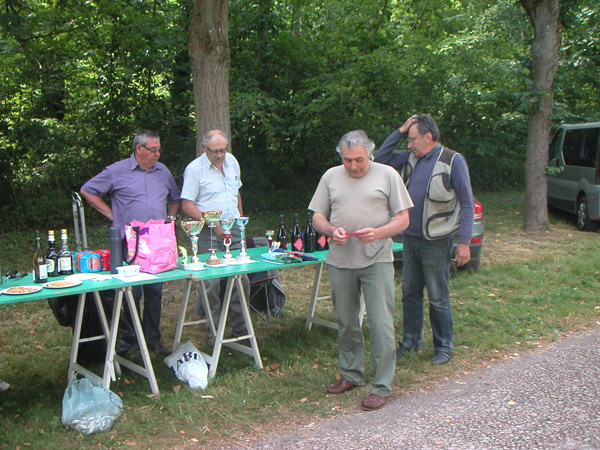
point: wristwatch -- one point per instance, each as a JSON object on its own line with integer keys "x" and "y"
{"x": 171, "y": 218}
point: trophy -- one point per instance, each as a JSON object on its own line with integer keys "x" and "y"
{"x": 227, "y": 224}
{"x": 192, "y": 228}
{"x": 211, "y": 218}
{"x": 241, "y": 222}
{"x": 270, "y": 234}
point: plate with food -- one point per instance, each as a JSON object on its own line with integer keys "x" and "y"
{"x": 61, "y": 284}
{"x": 20, "y": 290}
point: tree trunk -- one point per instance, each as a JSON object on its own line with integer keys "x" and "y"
{"x": 544, "y": 16}
{"x": 208, "y": 45}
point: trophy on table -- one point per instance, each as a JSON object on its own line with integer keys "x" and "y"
{"x": 227, "y": 224}
{"x": 270, "y": 234}
{"x": 241, "y": 222}
{"x": 211, "y": 218}
{"x": 192, "y": 228}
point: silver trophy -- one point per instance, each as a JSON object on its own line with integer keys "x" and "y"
{"x": 241, "y": 222}
{"x": 193, "y": 228}
{"x": 211, "y": 218}
{"x": 227, "y": 224}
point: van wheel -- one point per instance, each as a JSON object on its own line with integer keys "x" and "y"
{"x": 584, "y": 223}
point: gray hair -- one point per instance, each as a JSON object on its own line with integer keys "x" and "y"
{"x": 206, "y": 137}
{"x": 355, "y": 138}
{"x": 142, "y": 136}
{"x": 426, "y": 124}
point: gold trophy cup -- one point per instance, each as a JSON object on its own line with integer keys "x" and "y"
{"x": 193, "y": 228}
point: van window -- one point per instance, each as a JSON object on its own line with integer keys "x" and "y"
{"x": 555, "y": 145}
{"x": 580, "y": 147}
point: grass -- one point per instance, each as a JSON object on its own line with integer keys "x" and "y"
{"x": 531, "y": 290}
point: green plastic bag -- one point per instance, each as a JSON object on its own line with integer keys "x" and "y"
{"x": 88, "y": 407}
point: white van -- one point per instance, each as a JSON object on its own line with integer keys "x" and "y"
{"x": 574, "y": 173}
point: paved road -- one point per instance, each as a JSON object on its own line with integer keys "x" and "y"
{"x": 547, "y": 400}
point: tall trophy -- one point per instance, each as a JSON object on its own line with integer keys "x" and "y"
{"x": 227, "y": 224}
{"x": 241, "y": 222}
{"x": 193, "y": 228}
{"x": 211, "y": 218}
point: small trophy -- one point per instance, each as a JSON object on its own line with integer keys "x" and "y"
{"x": 227, "y": 224}
{"x": 270, "y": 234}
{"x": 211, "y": 218}
{"x": 241, "y": 222}
{"x": 193, "y": 228}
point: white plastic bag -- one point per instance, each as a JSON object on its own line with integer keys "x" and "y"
{"x": 89, "y": 407}
{"x": 189, "y": 366}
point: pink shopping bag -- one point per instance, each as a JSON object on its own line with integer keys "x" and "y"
{"x": 151, "y": 245}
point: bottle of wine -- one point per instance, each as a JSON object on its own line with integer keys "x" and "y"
{"x": 310, "y": 235}
{"x": 281, "y": 234}
{"x": 297, "y": 243}
{"x": 40, "y": 270}
{"x": 65, "y": 257}
{"x": 52, "y": 256}
{"x": 322, "y": 242}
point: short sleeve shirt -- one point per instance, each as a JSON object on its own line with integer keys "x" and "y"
{"x": 209, "y": 189}
{"x": 356, "y": 203}
{"x": 136, "y": 194}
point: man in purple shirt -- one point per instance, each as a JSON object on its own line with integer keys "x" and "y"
{"x": 438, "y": 182}
{"x": 141, "y": 189}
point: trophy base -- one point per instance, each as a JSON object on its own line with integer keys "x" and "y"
{"x": 193, "y": 266}
{"x": 226, "y": 258}
{"x": 243, "y": 258}
{"x": 213, "y": 261}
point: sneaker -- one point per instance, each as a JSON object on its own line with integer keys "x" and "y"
{"x": 160, "y": 350}
{"x": 441, "y": 357}
{"x": 401, "y": 350}
{"x": 4, "y": 386}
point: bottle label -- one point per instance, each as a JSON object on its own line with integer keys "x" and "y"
{"x": 65, "y": 264}
{"x": 298, "y": 245}
{"x": 50, "y": 265}
{"x": 42, "y": 273}
{"x": 322, "y": 240}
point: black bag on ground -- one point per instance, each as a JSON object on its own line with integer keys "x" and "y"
{"x": 65, "y": 311}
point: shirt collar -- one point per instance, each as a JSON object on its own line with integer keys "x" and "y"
{"x": 434, "y": 152}
{"x": 133, "y": 164}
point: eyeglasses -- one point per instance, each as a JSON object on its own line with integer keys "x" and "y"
{"x": 152, "y": 150}
{"x": 413, "y": 139}
{"x": 217, "y": 151}
{"x": 14, "y": 275}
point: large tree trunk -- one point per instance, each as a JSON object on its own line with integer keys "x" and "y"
{"x": 544, "y": 16}
{"x": 208, "y": 45}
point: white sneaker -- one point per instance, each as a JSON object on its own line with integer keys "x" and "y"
{"x": 4, "y": 386}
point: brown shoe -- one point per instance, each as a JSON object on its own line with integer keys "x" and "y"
{"x": 341, "y": 386}
{"x": 374, "y": 401}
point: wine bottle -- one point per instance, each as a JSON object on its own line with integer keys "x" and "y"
{"x": 297, "y": 243}
{"x": 281, "y": 234}
{"x": 52, "y": 256}
{"x": 65, "y": 257}
{"x": 310, "y": 235}
{"x": 322, "y": 242}
{"x": 40, "y": 270}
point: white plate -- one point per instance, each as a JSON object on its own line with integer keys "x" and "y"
{"x": 59, "y": 284}
{"x": 33, "y": 289}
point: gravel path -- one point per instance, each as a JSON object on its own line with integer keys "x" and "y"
{"x": 546, "y": 400}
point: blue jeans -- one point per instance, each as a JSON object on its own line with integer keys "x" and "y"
{"x": 426, "y": 264}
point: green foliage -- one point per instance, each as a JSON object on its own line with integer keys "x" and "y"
{"x": 77, "y": 79}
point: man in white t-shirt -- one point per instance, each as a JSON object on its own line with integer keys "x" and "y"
{"x": 212, "y": 182}
{"x": 361, "y": 205}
